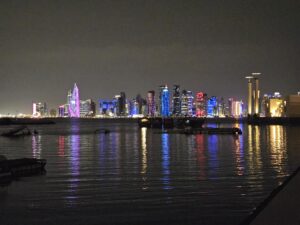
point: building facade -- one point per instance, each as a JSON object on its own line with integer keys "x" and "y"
{"x": 176, "y": 101}
{"x": 39, "y": 109}
{"x": 74, "y": 102}
{"x": 200, "y": 104}
{"x": 151, "y": 105}
{"x": 187, "y": 101}
{"x": 164, "y": 98}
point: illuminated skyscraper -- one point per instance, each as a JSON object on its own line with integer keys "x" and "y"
{"x": 133, "y": 107}
{"x": 61, "y": 111}
{"x": 274, "y": 105}
{"x": 87, "y": 108}
{"x": 39, "y": 109}
{"x": 74, "y": 102}
{"x": 212, "y": 107}
{"x": 235, "y": 108}
{"x": 164, "y": 98}
{"x": 108, "y": 107}
{"x": 121, "y": 104}
{"x": 176, "y": 101}
{"x": 200, "y": 102}
{"x": 253, "y": 94}
{"x": 221, "y": 108}
{"x": 151, "y": 107}
{"x": 187, "y": 100}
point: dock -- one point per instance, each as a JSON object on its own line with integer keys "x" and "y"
{"x": 281, "y": 207}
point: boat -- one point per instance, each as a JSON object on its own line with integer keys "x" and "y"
{"x": 213, "y": 130}
{"x": 18, "y": 131}
{"x": 15, "y": 168}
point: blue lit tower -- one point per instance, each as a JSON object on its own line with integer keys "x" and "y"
{"x": 164, "y": 101}
{"x": 212, "y": 106}
{"x": 176, "y": 101}
{"x": 74, "y": 102}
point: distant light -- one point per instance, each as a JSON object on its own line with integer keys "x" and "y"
{"x": 256, "y": 74}
{"x": 249, "y": 77}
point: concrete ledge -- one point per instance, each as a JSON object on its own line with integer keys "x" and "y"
{"x": 281, "y": 207}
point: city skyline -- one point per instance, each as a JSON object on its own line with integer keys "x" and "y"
{"x": 112, "y": 46}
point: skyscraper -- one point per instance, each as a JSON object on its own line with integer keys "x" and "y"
{"x": 200, "y": 102}
{"x": 187, "y": 101}
{"x": 164, "y": 98}
{"x": 87, "y": 108}
{"x": 108, "y": 107}
{"x": 39, "y": 109}
{"x": 253, "y": 94}
{"x": 151, "y": 107}
{"x": 212, "y": 106}
{"x": 74, "y": 102}
{"x": 176, "y": 101}
{"x": 121, "y": 104}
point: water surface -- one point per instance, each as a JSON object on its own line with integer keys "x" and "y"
{"x": 140, "y": 176}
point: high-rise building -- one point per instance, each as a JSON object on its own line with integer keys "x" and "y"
{"x": 176, "y": 101}
{"x": 108, "y": 107}
{"x": 221, "y": 108}
{"x": 235, "y": 108}
{"x": 187, "y": 101}
{"x": 121, "y": 104}
{"x": 39, "y": 109}
{"x": 293, "y": 105}
{"x": 141, "y": 104}
{"x": 212, "y": 107}
{"x": 61, "y": 111}
{"x": 74, "y": 102}
{"x": 253, "y": 94}
{"x": 200, "y": 104}
{"x": 274, "y": 105}
{"x": 87, "y": 108}
{"x": 133, "y": 107}
{"x": 164, "y": 98}
{"x": 151, "y": 106}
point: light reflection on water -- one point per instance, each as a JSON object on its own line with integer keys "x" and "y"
{"x": 36, "y": 146}
{"x": 165, "y": 161}
{"x": 135, "y": 173}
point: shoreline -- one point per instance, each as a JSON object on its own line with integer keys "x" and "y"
{"x": 226, "y": 120}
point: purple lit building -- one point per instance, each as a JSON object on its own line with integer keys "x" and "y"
{"x": 74, "y": 102}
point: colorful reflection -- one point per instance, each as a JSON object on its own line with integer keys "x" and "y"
{"x": 61, "y": 146}
{"x": 166, "y": 161}
{"x": 201, "y": 158}
{"x": 277, "y": 140}
{"x": 36, "y": 146}
{"x": 144, "y": 149}
{"x": 144, "y": 165}
{"x": 254, "y": 148}
{"x": 213, "y": 162}
{"x": 239, "y": 155}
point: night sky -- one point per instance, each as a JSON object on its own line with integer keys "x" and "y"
{"x": 135, "y": 46}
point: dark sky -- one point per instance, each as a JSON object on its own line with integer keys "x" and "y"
{"x": 134, "y": 46}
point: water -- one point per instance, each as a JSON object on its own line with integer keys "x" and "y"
{"x": 139, "y": 176}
